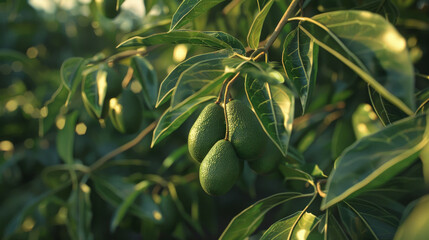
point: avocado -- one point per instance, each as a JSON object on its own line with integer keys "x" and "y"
{"x": 207, "y": 130}
{"x": 220, "y": 169}
{"x": 245, "y": 132}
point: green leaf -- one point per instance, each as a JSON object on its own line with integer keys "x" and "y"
{"x": 79, "y": 213}
{"x": 119, "y": 3}
{"x": 383, "y": 62}
{"x": 203, "y": 78}
{"x": 300, "y": 63}
{"x": 94, "y": 89}
{"x": 386, "y": 111}
{"x": 190, "y": 9}
{"x": 263, "y": 72}
{"x": 65, "y": 138}
{"x": 173, "y": 118}
{"x": 51, "y": 109}
{"x": 370, "y": 161}
{"x": 301, "y": 226}
{"x": 216, "y": 40}
{"x": 256, "y": 28}
{"x": 333, "y": 229}
{"x": 343, "y": 136}
{"x": 274, "y": 108}
{"x": 365, "y": 121}
{"x": 114, "y": 190}
{"x": 354, "y": 225}
{"x": 169, "y": 83}
{"x": 126, "y": 204}
{"x": 70, "y": 72}
{"x": 173, "y": 157}
{"x": 415, "y": 225}
{"x": 246, "y": 222}
{"x": 424, "y": 156}
{"x": 146, "y": 74}
{"x": 383, "y": 7}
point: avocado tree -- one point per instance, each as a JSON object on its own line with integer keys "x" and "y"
{"x": 212, "y": 119}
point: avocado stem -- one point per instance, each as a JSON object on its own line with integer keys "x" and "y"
{"x": 225, "y": 101}
{"x": 219, "y": 97}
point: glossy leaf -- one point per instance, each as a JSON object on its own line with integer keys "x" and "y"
{"x": 383, "y": 7}
{"x": 169, "y": 83}
{"x": 374, "y": 159}
{"x": 79, "y": 213}
{"x": 343, "y": 137}
{"x": 256, "y": 28}
{"x": 146, "y": 74}
{"x": 114, "y": 190}
{"x": 202, "y": 78}
{"x": 70, "y": 73}
{"x": 301, "y": 226}
{"x": 386, "y": 111}
{"x": 246, "y": 222}
{"x": 383, "y": 62}
{"x": 190, "y": 9}
{"x": 216, "y": 40}
{"x": 94, "y": 87}
{"x": 126, "y": 204}
{"x": 173, "y": 118}
{"x": 274, "y": 108}
{"x": 416, "y": 224}
{"x": 300, "y": 63}
{"x": 353, "y": 224}
{"x": 333, "y": 229}
{"x": 65, "y": 138}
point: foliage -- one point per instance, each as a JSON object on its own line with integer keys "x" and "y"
{"x": 339, "y": 90}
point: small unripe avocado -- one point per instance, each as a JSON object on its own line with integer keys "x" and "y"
{"x": 268, "y": 161}
{"x": 207, "y": 130}
{"x": 220, "y": 169}
{"x": 126, "y": 112}
{"x": 245, "y": 132}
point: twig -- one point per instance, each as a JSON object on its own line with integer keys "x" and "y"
{"x": 319, "y": 189}
{"x": 124, "y": 147}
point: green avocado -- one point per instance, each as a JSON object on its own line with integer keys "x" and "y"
{"x": 245, "y": 132}
{"x": 220, "y": 169}
{"x": 268, "y": 161}
{"x": 207, "y": 130}
{"x": 126, "y": 112}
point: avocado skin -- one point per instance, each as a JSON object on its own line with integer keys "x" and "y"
{"x": 268, "y": 161}
{"x": 220, "y": 169}
{"x": 129, "y": 119}
{"x": 206, "y": 131}
{"x": 245, "y": 132}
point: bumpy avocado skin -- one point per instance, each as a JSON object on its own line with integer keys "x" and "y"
{"x": 245, "y": 132}
{"x": 220, "y": 169}
{"x": 268, "y": 161}
{"x": 207, "y": 130}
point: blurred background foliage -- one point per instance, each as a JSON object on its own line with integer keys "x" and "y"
{"x": 38, "y": 35}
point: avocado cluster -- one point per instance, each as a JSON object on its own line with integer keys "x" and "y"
{"x": 222, "y": 158}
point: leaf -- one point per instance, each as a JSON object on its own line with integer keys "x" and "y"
{"x": 114, "y": 190}
{"x": 374, "y": 159}
{"x": 79, "y": 213}
{"x": 169, "y": 83}
{"x": 173, "y": 118}
{"x": 383, "y": 7}
{"x": 70, "y": 72}
{"x": 51, "y": 109}
{"x": 65, "y": 138}
{"x": 94, "y": 89}
{"x": 172, "y": 158}
{"x": 333, "y": 229}
{"x": 119, "y": 3}
{"x": 364, "y": 121}
{"x": 263, "y": 72}
{"x": 343, "y": 137}
{"x": 386, "y": 111}
{"x": 300, "y": 63}
{"x": 371, "y": 47}
{"x": 354, "y": 225}
{"x": 146, "y": 74}
{"x": 415, "y": 225}
{"x": 301, "y": 227}
{"x": 216, "y": 40}
{"x": 190, "y": 9}
{"x": 125, "y": 205}
{"x": 274, "y": 108}
{"x": 424, "y": 156}
{"x": 246, "y": 222}
{"x": 203, "y": 78}
{"x": 256, "y": 28}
